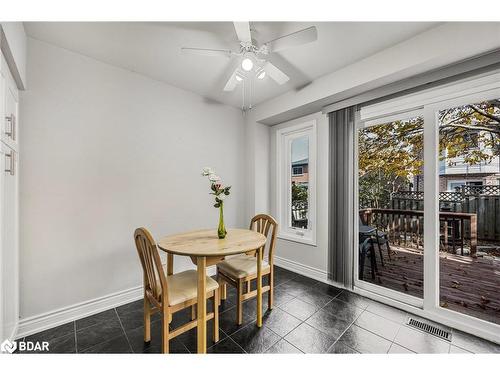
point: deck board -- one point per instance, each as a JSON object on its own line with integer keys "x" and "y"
{"x": 467, "y": 285}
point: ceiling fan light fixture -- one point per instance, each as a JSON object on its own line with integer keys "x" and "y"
{"x": 261, "y": 73}
{"x": 247, "y": 64}
{"x": 239, "y": 78}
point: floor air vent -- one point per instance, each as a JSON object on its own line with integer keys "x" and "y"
{"x": 429, "y": 328}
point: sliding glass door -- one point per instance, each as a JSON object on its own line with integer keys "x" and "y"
{"x": 390, "y": 199}
{"x": 469, "y": 205}
{"x": 428, "y": 196}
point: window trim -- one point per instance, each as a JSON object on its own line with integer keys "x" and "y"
{"x": 284, "y": 174}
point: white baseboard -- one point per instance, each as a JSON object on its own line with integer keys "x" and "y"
{"x": 68, "y": 314}
{"x": 305, "y": 270}
{"x": 51, "y": 319}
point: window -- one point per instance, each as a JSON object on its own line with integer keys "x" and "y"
{"x": 296, "y": 163}
{"x": 454, "y": 185}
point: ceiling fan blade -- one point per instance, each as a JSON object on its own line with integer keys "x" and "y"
{"x": 243, "y": 31}
{"x": 231, "y": 82}
{"x": 294, "y": 39}
{"x": 207, "y": 51}
{"x": 275, "y": 73}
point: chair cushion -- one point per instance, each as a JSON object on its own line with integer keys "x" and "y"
{"x": 241, "y": 266}
{"x": 183, "y": 286}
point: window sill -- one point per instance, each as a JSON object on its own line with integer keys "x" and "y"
{"x": 298, "y": 239}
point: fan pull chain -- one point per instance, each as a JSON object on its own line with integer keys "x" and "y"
{"x": 243, "y": 93}
{"x": 250, "y": 93}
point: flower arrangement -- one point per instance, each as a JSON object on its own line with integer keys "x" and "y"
{"x": 220, "y": 192}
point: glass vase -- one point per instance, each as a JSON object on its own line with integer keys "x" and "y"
{"x": 221, "y": 230}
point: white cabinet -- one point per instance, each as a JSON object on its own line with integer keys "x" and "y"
{"x": 9, "y": 240}
{"x": 9, "y": 207}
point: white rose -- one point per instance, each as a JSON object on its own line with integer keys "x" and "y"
{"x": 213, "y": 177}
{"x": 207, "y": 171}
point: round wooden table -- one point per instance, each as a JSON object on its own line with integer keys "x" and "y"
{"x": 206, "y": 249}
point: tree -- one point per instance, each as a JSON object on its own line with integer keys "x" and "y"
{"x": 391, "y": 154}
{"x": 299, "y": 193}
{"x": 471, "y": 131}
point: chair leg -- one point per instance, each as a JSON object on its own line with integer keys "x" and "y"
{"x": 362, "y": 264}
{"x": 239, "y": 303}
{"x": 165, "y": 318}
{"x": 216, "y": 315}
{"x": 270, "y": 294}
{"x": 147, "y": 320}
{"x": 380, "y": 251}
{"x": 193, "y": 312}
{"x": 381, "y": 256}
{"x": 373, "y": 261}
{"x": 388, "y": 247}
{"x": 223, "y": 290}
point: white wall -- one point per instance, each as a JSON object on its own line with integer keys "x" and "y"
{"x": 299, "y": 256}
{"x": 105, "y": 151}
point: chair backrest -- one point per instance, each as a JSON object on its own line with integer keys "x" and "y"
{"x": 268, "y": 226}
{"x": 155, "y": 282}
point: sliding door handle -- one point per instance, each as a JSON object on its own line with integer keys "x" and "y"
{"x": 11, "y": 131}
{"x": 12, "y": 163}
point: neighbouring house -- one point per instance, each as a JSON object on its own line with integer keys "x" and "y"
{"x": 454, "y": 173}
{"x": 300, "y": 172}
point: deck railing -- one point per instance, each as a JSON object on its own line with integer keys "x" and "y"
{"x": 299, "y": 214}
{"x": 405, "y": 227}
{"x": 484, "y": 201}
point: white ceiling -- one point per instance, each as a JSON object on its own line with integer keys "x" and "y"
{"x": 153, "y": 49}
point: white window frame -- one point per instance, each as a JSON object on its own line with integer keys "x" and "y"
{"x": 284, "y": 138}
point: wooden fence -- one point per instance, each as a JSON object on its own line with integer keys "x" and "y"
{"x": 484, "y": 201}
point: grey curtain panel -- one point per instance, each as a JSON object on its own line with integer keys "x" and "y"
{"x": 341, "y": 211}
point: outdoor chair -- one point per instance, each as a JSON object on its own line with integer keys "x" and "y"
{"x": 379, "y": 236}
{"x": 366, "y": 248}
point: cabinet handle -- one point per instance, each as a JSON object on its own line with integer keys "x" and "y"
{"x": 12, "y": 163}
{"x": 12, "y": 122}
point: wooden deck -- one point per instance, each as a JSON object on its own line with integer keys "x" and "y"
{"x": 468, "y": 285}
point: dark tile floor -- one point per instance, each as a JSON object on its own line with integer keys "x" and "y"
{"x": 309, "y": 317}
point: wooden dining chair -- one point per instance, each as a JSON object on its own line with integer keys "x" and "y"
{"x": 239, "y": 271}
{"x": 170, "y": 293}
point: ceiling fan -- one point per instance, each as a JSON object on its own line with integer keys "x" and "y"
{"x": 253, "y": 57}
